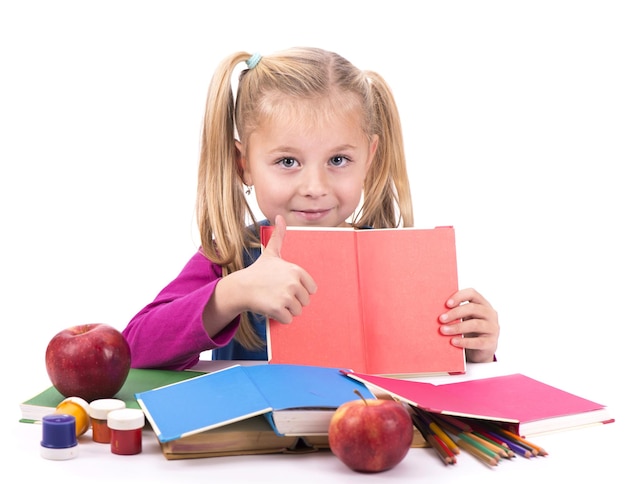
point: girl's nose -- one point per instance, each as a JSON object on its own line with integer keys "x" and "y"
{"x": 314, "y": 182}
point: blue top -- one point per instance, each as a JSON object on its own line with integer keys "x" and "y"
{"x": 234, "y": 350}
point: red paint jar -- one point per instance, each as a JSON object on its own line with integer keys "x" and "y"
{"x": 98, "y": 411}
{"x": 126, "y": 426}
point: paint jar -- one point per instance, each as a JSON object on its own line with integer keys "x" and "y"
{"x": 79, "y": 408}
{"x": 126, "y": 426}
{"x": 98, "y": 411}
{"x": 58, "y": 440}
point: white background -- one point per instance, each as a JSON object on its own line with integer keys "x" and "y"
{"x": 514, "y": 115}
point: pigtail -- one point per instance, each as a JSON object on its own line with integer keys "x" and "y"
{"x": 218, "y": 199}
{"x": 387, "y": 195}
{"x": 221, "y": 207}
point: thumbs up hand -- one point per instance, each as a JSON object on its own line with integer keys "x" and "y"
{"x": 275, "y": 287}
{"x": 272, "y": 249}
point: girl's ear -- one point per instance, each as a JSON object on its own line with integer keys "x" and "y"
{"x": 242, "y": 164}
{"x": 373, "y": 148}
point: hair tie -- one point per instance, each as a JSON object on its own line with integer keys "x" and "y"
{"x": 253, "y": 60}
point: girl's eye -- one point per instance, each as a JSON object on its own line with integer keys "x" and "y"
{"x": 288, "y": 162}
{"x": 338, "y": 160}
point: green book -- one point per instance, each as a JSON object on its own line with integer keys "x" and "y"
{"x": 138, "y": 380}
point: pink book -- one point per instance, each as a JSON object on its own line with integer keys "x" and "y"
{"x": 527, "y": 406}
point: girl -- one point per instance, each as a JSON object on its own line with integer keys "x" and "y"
{"x": 320, "y": 143}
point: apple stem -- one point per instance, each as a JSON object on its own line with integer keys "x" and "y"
{"x": 360, "y": 395}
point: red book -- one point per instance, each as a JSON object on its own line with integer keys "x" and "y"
{"x": 525, "y": 405}
{"x": 380, "y": 293}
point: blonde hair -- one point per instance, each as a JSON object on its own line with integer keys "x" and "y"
{"x": 290, "y": 76}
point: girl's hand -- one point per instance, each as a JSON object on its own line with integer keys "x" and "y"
{"x": 472, "y": 316}
{"x": 273, "y": 286}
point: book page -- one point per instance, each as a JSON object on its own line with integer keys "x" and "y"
{"x": 406, "y": 276}
{"x": 328, "y": 332}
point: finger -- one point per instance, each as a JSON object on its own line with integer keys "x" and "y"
{"x": 303, "y": 296}
{"x": 276, "y": 240}
{"x": 295, "y": 308}
{"x": 309, "y": 284}
{"x": 297, "y": 297}
{"x": 286, "y": 313}
{"x": 293, "y": 305}
{"x": 283, "y": 316}
{"x": 466, "y": 296}
{"x": 464, "y": 312}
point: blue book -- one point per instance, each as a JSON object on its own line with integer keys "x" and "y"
{"x": 297, "y": 400}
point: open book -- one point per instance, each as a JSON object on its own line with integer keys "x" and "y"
{"x": 296, "y": 400}
{"x": 522, "y": 404}
{"x": 380, "y": 293}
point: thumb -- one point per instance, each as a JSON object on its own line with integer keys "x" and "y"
{"x": 278, "y": 234}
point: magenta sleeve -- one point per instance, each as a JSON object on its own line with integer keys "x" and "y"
{"x": 168, "y": 332}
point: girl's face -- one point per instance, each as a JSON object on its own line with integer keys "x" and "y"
{"x": 311, "y": 173}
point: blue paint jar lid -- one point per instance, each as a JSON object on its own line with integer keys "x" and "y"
{"x": 59, "y": 437}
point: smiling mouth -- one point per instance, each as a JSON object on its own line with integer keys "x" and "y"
{"x": 312, "y": 214}
{"x": 321, "y": 210}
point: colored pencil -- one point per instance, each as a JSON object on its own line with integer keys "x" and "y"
{"x": 432, "y": 425}
{"x": 536, "y": 448}
{"x": 514, "y": 446}
{"x": 465, "y": 437}
{"x": 475, "y": 451}
{"x": 446, "y": 426}
{"x": 463, "y": 426}
{"x": 444, "y": 453}
{"x": 487, "y": 441}
{"x": 498, "y": 449}
{"x": 495, "y": 441}
{"x": 493, "y": 437}
{"x": 511, "y": 437}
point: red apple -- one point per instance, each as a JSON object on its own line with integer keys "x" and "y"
{"x": 370, "y": 435}
{"x": 90, "y": 361}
